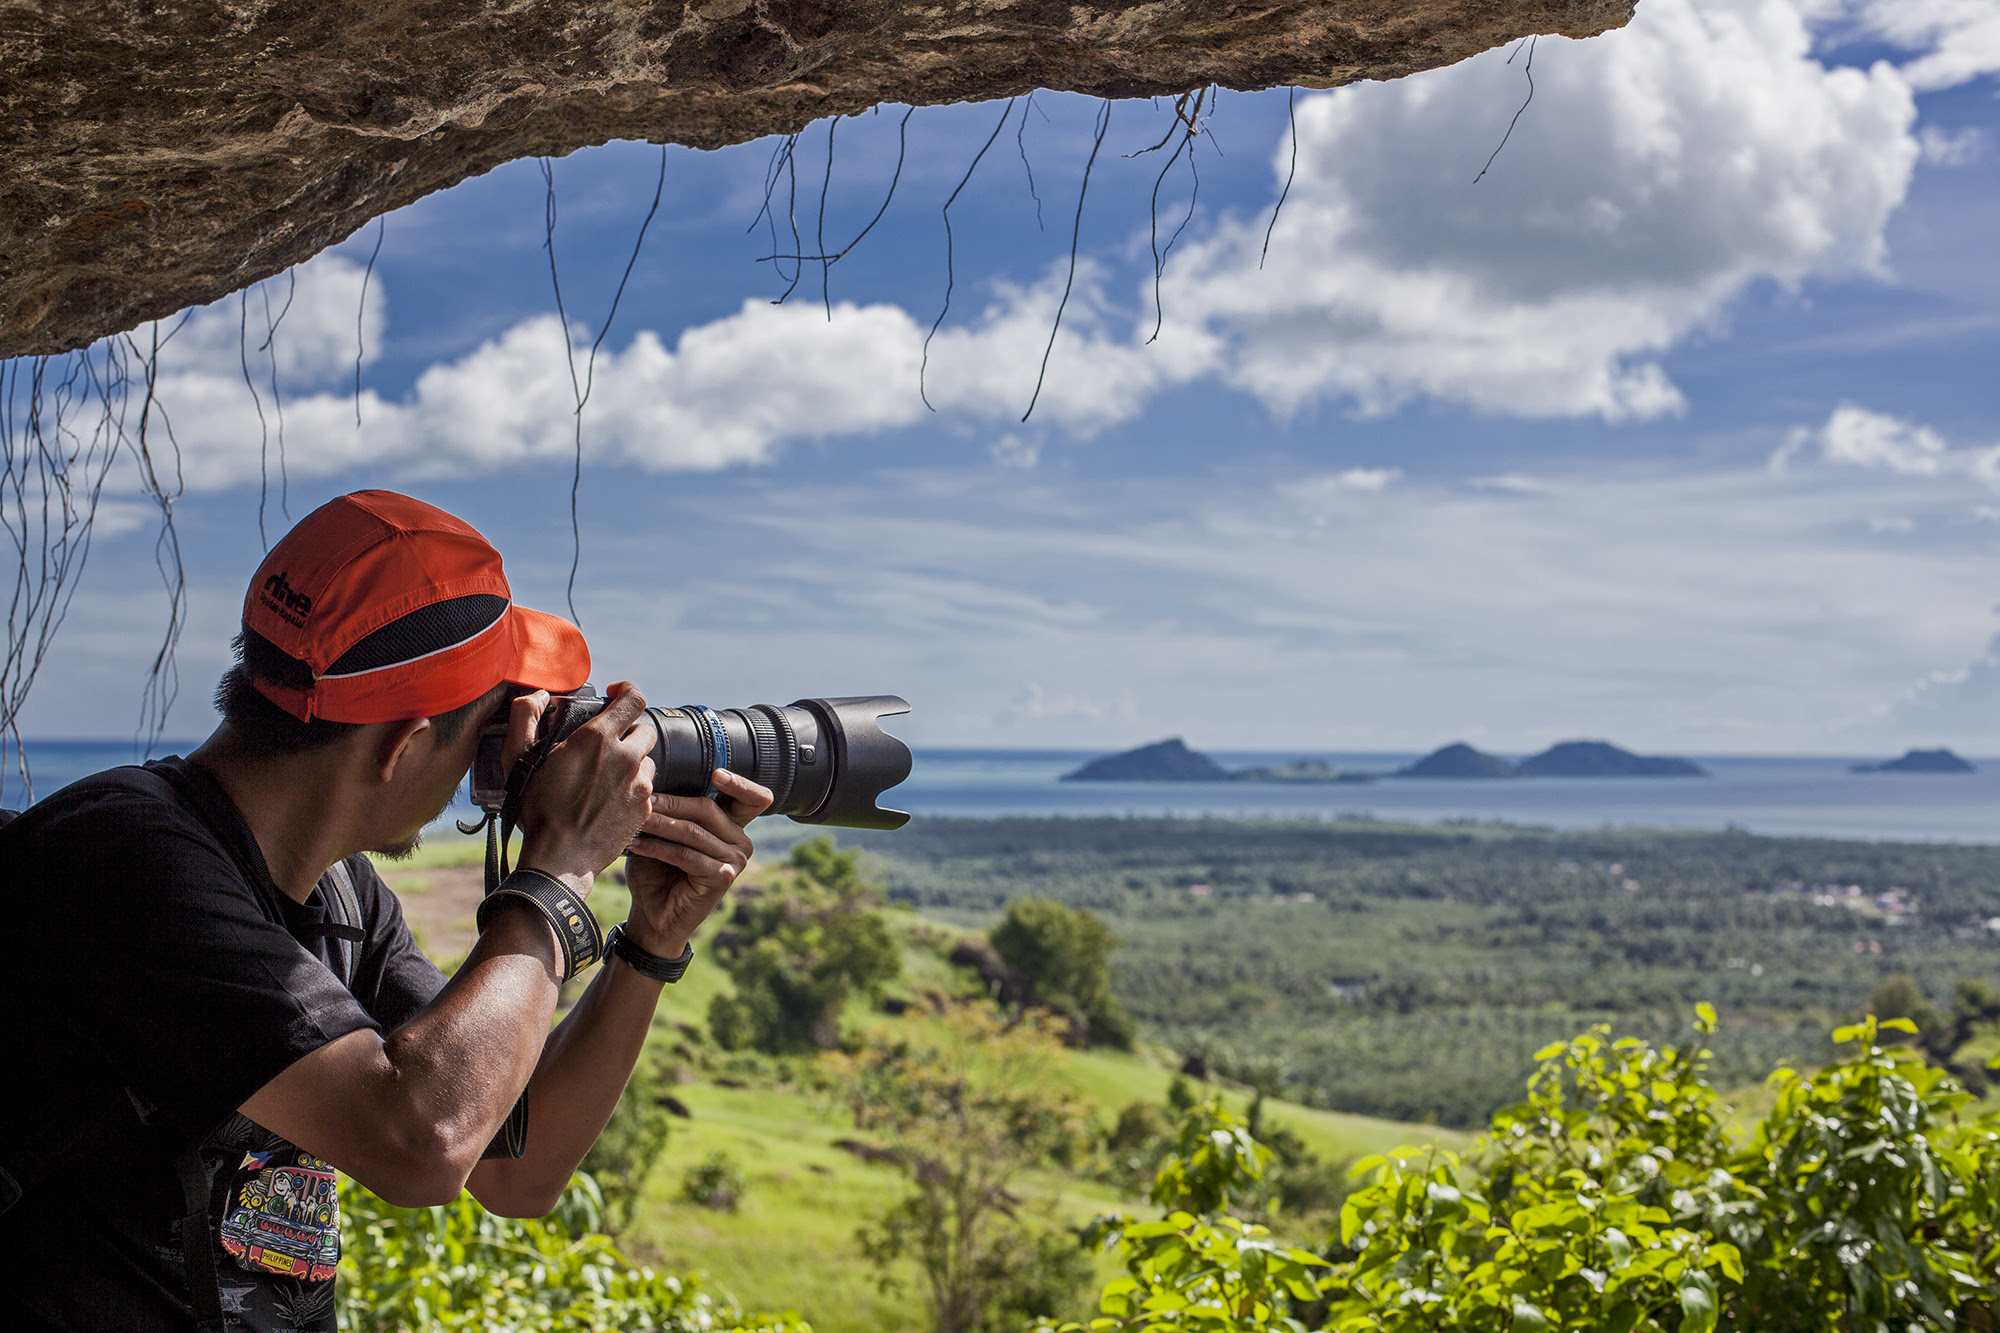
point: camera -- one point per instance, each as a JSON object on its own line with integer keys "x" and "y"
{"x": 825, "y": 761}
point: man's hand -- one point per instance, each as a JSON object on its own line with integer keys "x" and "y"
{"x": 589, "y": 798}
{"x": 688, "y": 853}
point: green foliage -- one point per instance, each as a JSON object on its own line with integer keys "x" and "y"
{"x": 798, "y": 951}
{"x": 1611, "y": 1200}
{"x": 715, "y": 1182}
{"x": 1877, "y": 1208}
{"x": 1065, "y": 953}
{"x": 427, "y": 1270}
{"x": 1217, "y": 1163}
{"x": 966, "y": 1104}
{"x": 632, "y": 1141}
{"x": 1198, "y": 1269}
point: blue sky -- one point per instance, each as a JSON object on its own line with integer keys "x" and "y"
{"x": 1679, "y": 427}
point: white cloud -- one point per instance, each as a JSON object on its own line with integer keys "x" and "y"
{"x": 1857, "y": 437}
{"x": 1660, "y": 171}
{"x": 729, "y": 392}
{"x": 1952, "y": 150}
{"x": 1958, "y": 40}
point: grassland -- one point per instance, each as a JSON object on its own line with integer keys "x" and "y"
{"x": 790, "y": 1244}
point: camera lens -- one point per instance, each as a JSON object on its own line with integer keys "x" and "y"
{"x": 825, "y": 761}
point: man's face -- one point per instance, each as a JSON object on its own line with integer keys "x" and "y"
{"x": 429, "y": 777}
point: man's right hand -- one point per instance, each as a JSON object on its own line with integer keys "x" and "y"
{"x": 590, "y": 796}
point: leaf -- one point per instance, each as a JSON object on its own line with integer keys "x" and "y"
{"x": 1528, "y": 1318}
{"x": 1704, "y": 1016}
{"x": 1896, "y": 1025}
{"x": 1698, "y": 1304}
{"x": 1729, "y": 1259}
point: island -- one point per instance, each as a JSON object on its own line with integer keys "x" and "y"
{"x": 1172, "y": 761}
{"x": 1919, "y": 761}
{"x": 1162, "y": 761}
{"x": 1601, "y": 759}
{"x": 1458, "y": 760}
{"x": 1305, "y": 770}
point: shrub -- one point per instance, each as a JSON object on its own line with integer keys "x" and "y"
{"x": 716, "y": 1182}
{"x": 1065, "y": 953}
{"x": 1611, "y": 1200}
{"x": 427, "y": 1270}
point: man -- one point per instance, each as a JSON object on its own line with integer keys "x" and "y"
{"x": 215, "y": 1003}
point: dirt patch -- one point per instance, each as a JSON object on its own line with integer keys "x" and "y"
{"x": 438, "y": 902}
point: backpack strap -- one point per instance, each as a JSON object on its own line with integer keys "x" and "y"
{"x": 197, "y": 1241}
{"x": 343, "y": 923}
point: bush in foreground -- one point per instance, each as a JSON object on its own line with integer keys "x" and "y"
{"x": 1609, "y": 1200}
{"x": 416, "y": 1270}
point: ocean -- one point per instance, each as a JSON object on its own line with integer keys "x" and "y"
{"x": 1814, "y": 795}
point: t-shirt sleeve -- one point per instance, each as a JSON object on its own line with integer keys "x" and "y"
{"x": 193, "y": 994}
{"x": 394, "y": 979}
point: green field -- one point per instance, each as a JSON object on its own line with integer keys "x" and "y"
{"x": 1410, "y": 972}
{"x": 791, "y": 1243}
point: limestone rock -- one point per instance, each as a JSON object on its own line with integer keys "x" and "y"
{"x": 158, "y": 156}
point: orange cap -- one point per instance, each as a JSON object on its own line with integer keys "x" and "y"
{"x": 401, "y": 611}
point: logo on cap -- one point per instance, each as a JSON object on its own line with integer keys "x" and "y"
{"x": 279, "y": 597}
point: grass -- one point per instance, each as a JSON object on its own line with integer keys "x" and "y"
{"x": 791, "y": 1243}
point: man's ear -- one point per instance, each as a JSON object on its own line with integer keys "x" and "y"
{"x": 395, "y": 744}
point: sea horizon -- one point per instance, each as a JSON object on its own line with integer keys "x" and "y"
{"x": 1780, "y": 795}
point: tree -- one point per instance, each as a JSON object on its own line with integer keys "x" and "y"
{"x": 1065, "y": 954}
{"x": 798, "y": 951}
{"x": 968, "y": 1103}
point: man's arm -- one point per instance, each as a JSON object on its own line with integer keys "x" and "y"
{"x": 689, "y": 853}
{"x": 409, "y": 1115}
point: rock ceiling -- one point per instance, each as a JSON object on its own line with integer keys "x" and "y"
{"x": 159, "y": 155}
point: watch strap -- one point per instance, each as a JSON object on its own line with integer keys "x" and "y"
{"x": 577, "y": 932}
{"x": 669, "y": 970}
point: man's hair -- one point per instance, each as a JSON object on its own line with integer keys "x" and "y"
{"x": 270, "y": 731}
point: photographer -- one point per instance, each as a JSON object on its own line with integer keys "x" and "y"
{"x": 215, "y": 1001}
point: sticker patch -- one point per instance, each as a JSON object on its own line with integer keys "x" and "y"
{"x": 284, "y": 1216}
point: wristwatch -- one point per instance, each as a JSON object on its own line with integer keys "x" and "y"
{"x": 618, "y": 944}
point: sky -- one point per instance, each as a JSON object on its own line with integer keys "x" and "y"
{"x": 1674, "y": 422}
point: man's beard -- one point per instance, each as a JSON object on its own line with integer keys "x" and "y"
{"x": 406, "y": 848}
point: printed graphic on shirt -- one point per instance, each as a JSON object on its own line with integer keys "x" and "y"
{"x": 284, "y": 1215}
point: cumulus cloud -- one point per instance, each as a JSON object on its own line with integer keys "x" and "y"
{"x": 1660, "y": 171}
{"x": 1957, "y": 40}
{"x": 1857, "y": 437}
{"x": 729, "y": 392}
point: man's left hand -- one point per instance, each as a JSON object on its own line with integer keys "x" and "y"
{"x": 688, "y": 853}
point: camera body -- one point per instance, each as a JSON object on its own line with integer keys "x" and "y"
{"x": 825, "y": 761}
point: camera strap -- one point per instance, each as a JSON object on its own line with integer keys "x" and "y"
{"x": 499, "y": 823}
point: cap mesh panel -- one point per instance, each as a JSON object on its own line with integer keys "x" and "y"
{"x": 423, "y": 631}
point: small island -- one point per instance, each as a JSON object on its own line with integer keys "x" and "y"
{"x": 1162, "y": 761}
{"x": 1305, "y": 770}
{"x": 1458, "y": 760}
{"x": 1919, "y": 761}
{"x": 1601, "y": 759}
{"x": 1172, "y": 761}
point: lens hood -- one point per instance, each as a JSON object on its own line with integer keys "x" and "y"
{"x": 867, "y": 760}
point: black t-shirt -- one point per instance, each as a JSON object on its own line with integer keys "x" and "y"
{"x": 156, "y": 962}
